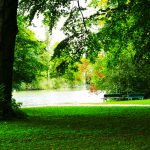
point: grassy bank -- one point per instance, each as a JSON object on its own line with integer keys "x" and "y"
{"x": 140, "y": 102}
{"x": 78, "y": 128}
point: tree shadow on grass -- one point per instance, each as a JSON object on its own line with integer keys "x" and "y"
{"x": 92, "y": 130}
{"x": 102, "y": 124}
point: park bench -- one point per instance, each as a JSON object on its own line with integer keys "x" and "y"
{"x": 116, "y": 96}
{"x": 135, "y": 96}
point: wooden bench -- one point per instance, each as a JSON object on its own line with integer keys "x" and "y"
{"x": 116, "y": 96}
{"x": 135, "y": 96}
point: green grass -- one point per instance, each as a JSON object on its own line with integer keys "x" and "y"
{"x": 78, "y": 128}
{"x": 140, "y": 102}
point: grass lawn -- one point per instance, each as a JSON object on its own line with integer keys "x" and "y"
{"x": 139, "y": 102}
{"x": 78, "y": 128}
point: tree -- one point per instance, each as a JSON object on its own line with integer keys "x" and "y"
{"x": 30, "y": 56}
{"x": 125, "y": 40}
{"x": 126, "y": 24}
{"x": 8, "y": 31}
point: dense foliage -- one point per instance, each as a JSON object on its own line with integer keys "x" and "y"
{"x": 125, "y": 38}
{"x": 117, "y": 52}
{"x": 30, "y": 56}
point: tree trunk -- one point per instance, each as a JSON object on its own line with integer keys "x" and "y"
{"x": 8, "y": 31}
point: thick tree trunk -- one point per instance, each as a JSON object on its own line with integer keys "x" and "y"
{"x": 8, "y": 31}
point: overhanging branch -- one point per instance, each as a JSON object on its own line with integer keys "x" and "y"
{"x": 83, "y": 19}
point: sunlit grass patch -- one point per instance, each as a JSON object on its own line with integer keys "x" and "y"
{"x": 74, "y": 128}
{"x": 143, "y": 102}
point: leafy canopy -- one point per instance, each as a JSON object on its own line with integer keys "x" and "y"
{"x": 30, "y": 55}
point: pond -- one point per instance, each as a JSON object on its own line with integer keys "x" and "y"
{"x": 58, "y": 97}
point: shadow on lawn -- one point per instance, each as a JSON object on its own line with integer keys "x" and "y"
{"x": 118, "y": 128}
{"x": 114, "y": 125}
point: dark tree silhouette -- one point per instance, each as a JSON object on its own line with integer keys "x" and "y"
{"x": 8, "y": 31}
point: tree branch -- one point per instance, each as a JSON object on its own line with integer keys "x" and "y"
{"x": 83, "y": 19}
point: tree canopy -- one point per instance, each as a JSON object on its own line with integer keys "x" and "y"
{"x": 117, "y": 49}
{"x": 125, "y": 39}
{"x": 30, "y": 55}
{"x": 122, "y": 34}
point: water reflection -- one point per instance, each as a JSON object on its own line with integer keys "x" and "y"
{"x": 48, "y": 97}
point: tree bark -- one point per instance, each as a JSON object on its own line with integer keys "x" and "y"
{"x": 8, "y": 31}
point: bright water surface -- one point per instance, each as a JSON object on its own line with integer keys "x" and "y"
{"x": 48, "y": 97}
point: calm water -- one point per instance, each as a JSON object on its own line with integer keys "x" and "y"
{"x": 47, "y": 97}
